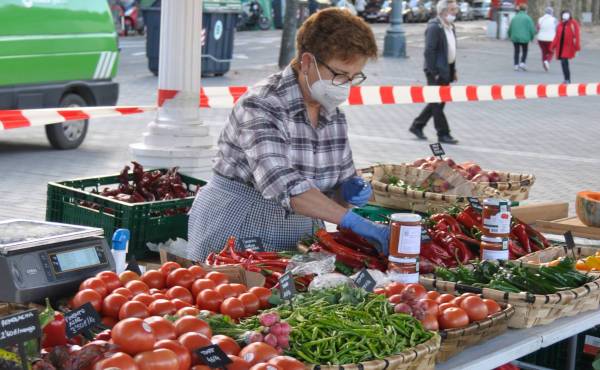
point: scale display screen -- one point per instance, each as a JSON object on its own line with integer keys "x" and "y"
{"x": 74, "y": 259}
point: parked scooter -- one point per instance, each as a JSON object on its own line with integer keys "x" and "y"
{"x": 252, "y": 15}
{"x": 133, "y": 21}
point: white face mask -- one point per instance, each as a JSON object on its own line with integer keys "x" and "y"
{"x": 566, "y": 16}
{"x": 450, "y": 18}
{"x": 327, "y": 94}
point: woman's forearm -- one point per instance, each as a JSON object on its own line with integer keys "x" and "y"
{"x": 315, "y": 204}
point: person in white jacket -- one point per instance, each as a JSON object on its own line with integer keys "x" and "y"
{"x": 546, "y": 30}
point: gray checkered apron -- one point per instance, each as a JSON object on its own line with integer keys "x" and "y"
{"x": 225, "y": 208}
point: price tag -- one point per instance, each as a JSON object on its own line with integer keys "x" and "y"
{"x": 252, "y": 244}
{"x": 475, "y": 203}
{"x": 365, "y": 280}
{"x": 569, "y": 240}
{"x": 19, "y": 327}
{"x": 213, "y": 357}
{"x": 133, "y": 266}
{"x": 425, "y": 236}
{"x": 81, "y": 319}
{"x": 437, "y": 150}
{"x": 287, "y": 287}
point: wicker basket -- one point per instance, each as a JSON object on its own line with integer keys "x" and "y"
{"x": 421, "y": 357}
{"x": 552, "y": 253}
{"x": 513, "y": 186}
{"x": 7, "y": 308}
{"x": 456, "y": 340}
{"x": 530, "y": 309}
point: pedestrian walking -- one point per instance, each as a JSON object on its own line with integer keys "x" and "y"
{"x": 360, "y": 7}
{"x": 521, "y": 32}
{"x": 440, "y": 68}
{"x": 566, "y": 43}
{"x": 546, "y": 31}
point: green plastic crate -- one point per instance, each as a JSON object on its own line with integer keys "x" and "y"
{"x": 375, "y": 213}
{"x": 68, "y": 202}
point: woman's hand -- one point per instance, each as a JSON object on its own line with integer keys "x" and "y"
{"x": 356, "y": 191}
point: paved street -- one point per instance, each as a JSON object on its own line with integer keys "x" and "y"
{"x": 558, "y": 140}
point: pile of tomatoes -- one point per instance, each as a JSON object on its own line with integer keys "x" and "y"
{"x": 438, "y": 311}
{"x": 169, "y": 290}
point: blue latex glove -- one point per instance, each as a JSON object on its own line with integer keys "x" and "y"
{"x": 380, "y": 234}
{"x": 356, "y": 191}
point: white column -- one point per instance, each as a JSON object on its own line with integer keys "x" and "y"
{"x": 177, "y": 136}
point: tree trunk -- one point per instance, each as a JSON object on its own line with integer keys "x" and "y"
{"x": 288, "y": 38}
{"x": 534, "y": 10}
{"x": 596, "y": 11}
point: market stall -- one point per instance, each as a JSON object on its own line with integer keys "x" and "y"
{"x": 468, "y": 283}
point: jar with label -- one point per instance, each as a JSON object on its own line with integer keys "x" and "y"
{"x": 496, "y": 218}
{"x": 404, "y": 247}
{"x": 493, "y": 248}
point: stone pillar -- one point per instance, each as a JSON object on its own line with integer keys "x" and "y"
{"x": 177, "y": 136}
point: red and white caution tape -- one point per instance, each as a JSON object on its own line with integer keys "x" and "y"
{"x": 226, "y": 97}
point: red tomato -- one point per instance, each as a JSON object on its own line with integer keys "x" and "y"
{"x": 127, "y": 276}
{"x": 145, "y": 298}
{"x": 137, "y": 287}
{"x": 119, "y": 360}
{"x": 162, "y": 307}
{"x": 475, "y": 308}
{"x": 181, "y": 277}
{"x": 430, "y": 322}
{"x": 179, "y": 292}
{"x": 258, "y": 352}
{"x": 265, "y": 366}
{"x": 162, "y": 328}
{"x": 160, "y": 296}
{"x": 188, "y": 311}
{"x": 287, "y": 363}
{"x": 393, "y": 289}
{"x": 238, "y": 289}
{"x": 108, "y": 321}
{"x": 218, "y": 277}
{"x": 251, "y": 303}
{"x": 191, "y": 324}
{"x": 133, "y": 336}
{"x": 112, "y": 304}
{"x": 209, "y": 300}
{"x": 88, "y": 295}
{"x": 133, "y": 309}
{"x": 395, "y": 299}
{"x": 432, "y": 294}
{"x": 233, "y": 307}
{"x": 458, "y": 300}
{"x": 414, "y": 291}
{"x": 237, "y": 363}
{"x": 96, "y": 284}
{"x": 110, "y": 279}
{"x": 124, "y": 291}
{"x": 263, "y": 295}
{"x": 444, "y": 298}
{"x": 153, "y": 291}
{"x": 380, "y": 291}
{"x": 197, "y": 271}
{"x": 444, "y": 306}
{"x": 225, "y": 290}
{"x": 492, "y": 306}
{"x": 227, "y": 344}
{"x": 201, "y": 367}
{"x": 429, "y": 306}
{"x": 179, "y": 304}
{"x": 154, "y": 279}
{"x": 453, "y": 317}
{"x": 167, "y": 267}
{"x": 159, "y": 359}
{"x": 202, "y": 284}
{"x": 183, "y": 355}
{"x": 193, "y": 341}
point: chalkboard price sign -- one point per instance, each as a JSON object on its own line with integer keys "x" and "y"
{"x": 437, "y": 149}
{"x": 365, "y": 280}
{"x": 287, "y": 288}
{"x": 19, "y": 327}
{"x": 81, "y": 319}
{"x": 252, "y": 244}
{"x": 213, "y": 356}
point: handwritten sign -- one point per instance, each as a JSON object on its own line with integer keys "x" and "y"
{"x": 19, "y": 327}
{"x": 287, "y": 288}
{"x": 81, "y": 319}
{"x": 569, "y": 240}
{"x": 213, "y": 356}
{"x": 252, "y": 244}
{"x": 437, "y": 150}
{"x": 365, "y": 280}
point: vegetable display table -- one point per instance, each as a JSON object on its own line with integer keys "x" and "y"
{"x": 514, "y": 344}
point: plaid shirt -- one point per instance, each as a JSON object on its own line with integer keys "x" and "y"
{"x": 269, "y": 143}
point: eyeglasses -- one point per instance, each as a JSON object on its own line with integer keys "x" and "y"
{"x": 343, "y": 78}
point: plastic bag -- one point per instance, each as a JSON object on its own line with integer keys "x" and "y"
{"x": 314, "y": 263}
{"x": 329, "y": 281}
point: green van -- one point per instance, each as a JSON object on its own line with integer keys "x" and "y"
{"x": 58, "y": 53}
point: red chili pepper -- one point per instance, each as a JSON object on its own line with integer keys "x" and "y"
{"x": 519, "y": 232}
{"x": 466, "y": 220}
{"x": 473, "y": 244}
{"x": 446, "y": 222}
{"x": 515, "y": 250}
{"x": 329, "y": 242}
{"x": 351, "y": 239}
{"x": 210, "y": 259}
{"x": 535, "y": 236}
{"x": 434, "y": 252}
{"x": 475, "y": 215}
{"x": 454, "y": 246}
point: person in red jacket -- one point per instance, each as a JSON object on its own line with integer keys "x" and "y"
{"x": 566, "y": 42}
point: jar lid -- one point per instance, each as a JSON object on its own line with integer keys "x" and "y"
{"x": 492, "y": 239}
{"x": 405, "y": 217}
{"x": 495, "y": 202}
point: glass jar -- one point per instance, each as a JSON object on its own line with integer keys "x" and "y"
{"x": 494, "y": 248}
{"x": 405, "y": 235}
{"x": 496, "y": 217}
{"x": 403, "y": 270}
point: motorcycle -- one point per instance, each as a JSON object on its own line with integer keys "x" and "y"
{"x": 127, "y": 17}
{"x": 252, "y": 15}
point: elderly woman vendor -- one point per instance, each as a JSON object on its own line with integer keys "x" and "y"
{"x": 284, "y": 160}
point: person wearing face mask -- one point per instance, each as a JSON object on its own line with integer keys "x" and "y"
{"x": 566, "y": 43}
{"x": 284, "y": 162}
{"x": 440, "y": 68}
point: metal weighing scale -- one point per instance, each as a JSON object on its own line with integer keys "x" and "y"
{"x": 46, "y": 259}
